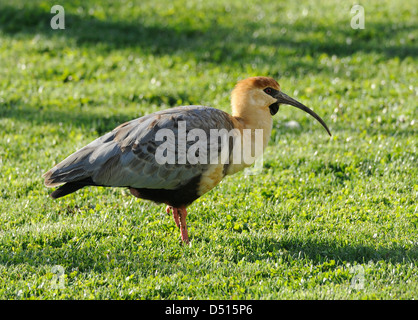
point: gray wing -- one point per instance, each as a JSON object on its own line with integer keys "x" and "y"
{"x": 126, "y": 156}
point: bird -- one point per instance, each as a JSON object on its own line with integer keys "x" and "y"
{"x": 127, "y": 156}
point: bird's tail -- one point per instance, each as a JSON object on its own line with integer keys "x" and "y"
{"x": 71, "y": 187}
{"x": 71, "y": 174}
{"x": 85, "y": 166}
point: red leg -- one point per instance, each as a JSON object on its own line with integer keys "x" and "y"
{"x": 179, "y": 215}
{"x": 175, "y": 214}
{"x": 183, "y": 227}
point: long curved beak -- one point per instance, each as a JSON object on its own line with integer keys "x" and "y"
{"x": 285, "y": 99}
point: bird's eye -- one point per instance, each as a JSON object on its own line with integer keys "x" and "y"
{"x": 267, "y": 90}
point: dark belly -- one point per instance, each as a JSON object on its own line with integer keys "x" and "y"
{"x": 176, "y": 198}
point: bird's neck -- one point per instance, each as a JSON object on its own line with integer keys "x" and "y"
{"x": 259, "y": 119}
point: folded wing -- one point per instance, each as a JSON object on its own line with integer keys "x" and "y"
{"x": 126, "y": 156}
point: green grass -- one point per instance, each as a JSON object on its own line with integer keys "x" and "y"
{"x": 321, "y": 205}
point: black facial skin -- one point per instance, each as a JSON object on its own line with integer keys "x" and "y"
{"x": 274, "y": 108}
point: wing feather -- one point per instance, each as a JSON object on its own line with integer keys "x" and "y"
{"x": 125, "y": 157}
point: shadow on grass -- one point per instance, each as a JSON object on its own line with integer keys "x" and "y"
{"x": 97, "y": 259}
{"x": 217, "y": 44}
{"x": 87, "y": 120}
{"x": 319, "y": 252}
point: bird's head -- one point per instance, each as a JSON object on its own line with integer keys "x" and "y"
{"x": 262, "y": 96}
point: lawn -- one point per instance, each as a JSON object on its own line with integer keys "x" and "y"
{"x": 327, "y": 218}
